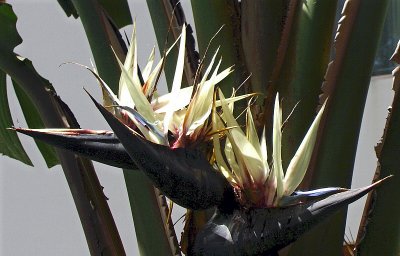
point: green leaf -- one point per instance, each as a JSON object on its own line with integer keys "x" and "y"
{"x": 150, "y": 226}
{"x": 68, "y": 8}
{"x": 346, "y": 84}
{"x": 10, "y": 144}
{"x": 101, "y": 35}
{"x": 209, "y": 17}
{"x": 262, "y": 26}
{"x": 303, "y": 69}
{"x": 8, "y": 29}
{"x": 117, "y": 10}
{"x": 34, "y": 121}
{"x": 160, "y": 16}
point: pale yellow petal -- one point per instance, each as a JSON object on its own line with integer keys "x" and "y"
{"x": 237, "y": 162}
{"x": 139, "y": 99}
{"x": 176, "y": 84}
{"x": 299, "y": 163}
{"x": 166, "y": 102}
{"x": 222, "y": 166}
{"x": 131, "y": 67}
{"x": 147, "y": 69}
{"x": 152, "y": 79}
{"x": 128, "y": 63}
{"x": 234, "y": 99}
{"x": 221, "y": 76}
{"x": 191, "y": 111}
{"x": 227, "y": 112}
{"x": 251, "y": 131}
{"x": 230, "y": 157}
{"x": 109, "y": 98}
{"x": 249, "y": 154}
{"x": 264, "y": 154}
{"x": 201, "y": 103}
{"x": 209, "y": 68}
{"x": 276, "y": 148}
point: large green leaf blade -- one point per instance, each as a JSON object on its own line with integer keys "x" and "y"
{"x": 118, "y": 10}
{"x": 8, "y": 29}
{"x": 161, "y": 29}
{"x": 102, "y": 36}
{"x": 68, "y": 8}
{"x": 168, "y": 19}
{"x": 10, "y": 145}
{"x": 209, "y": 16}
{"x": 300, "y": 78}
{"x": 34, "y": 120}
{"x": 346, "y": 85}
{"x": 262, "y": 29}
{"x": 148, "y": 205}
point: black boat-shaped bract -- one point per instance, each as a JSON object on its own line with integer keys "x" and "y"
{"x": 100, "y": 146}
{"x": 265, "y": 231}
{"x": 183, "y": 175}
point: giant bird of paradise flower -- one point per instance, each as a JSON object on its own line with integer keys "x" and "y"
{"x": 257, "y": 210}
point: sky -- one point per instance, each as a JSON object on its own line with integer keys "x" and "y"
{"x": 37, "y": 213}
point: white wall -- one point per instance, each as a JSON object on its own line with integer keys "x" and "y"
{"x": 379, "y": 98}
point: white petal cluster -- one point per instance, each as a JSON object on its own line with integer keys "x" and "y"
{"x": 244, "y": 158}
{"x": 182, "y": 112}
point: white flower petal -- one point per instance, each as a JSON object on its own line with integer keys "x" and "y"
{"x": 147, "y": 69}
{"x": 166, "y": 103}
{"x": 176, "y": 84}
{"x": 299, "y": 163}
{"x": 276, "y": 148}
{"x": 139, "y": 99}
